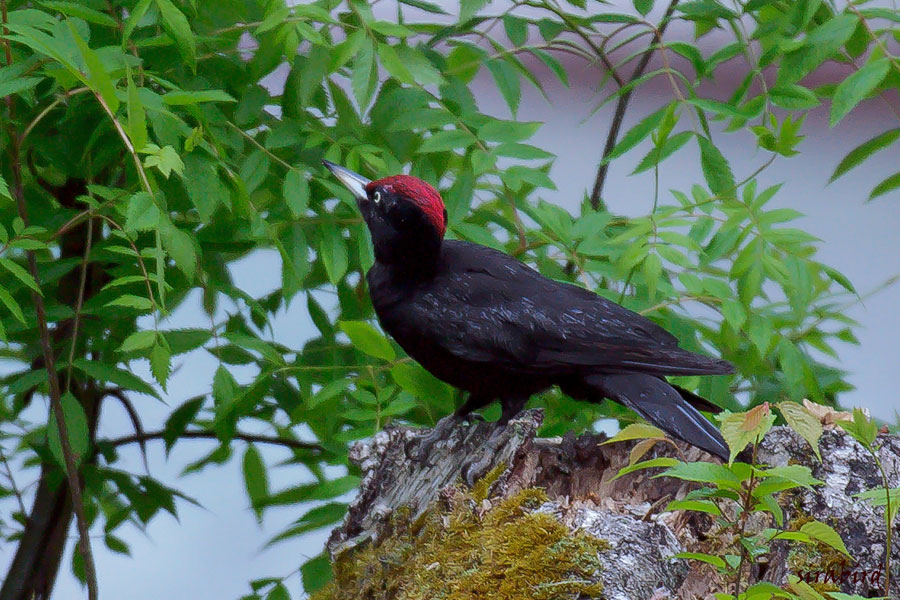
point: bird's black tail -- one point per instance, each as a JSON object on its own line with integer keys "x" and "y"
{"x": 655, "y": 400}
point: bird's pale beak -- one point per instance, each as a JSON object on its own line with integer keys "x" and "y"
{"x": 354, "y": 182}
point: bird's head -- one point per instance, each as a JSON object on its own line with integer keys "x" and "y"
{"x": 405, "y": 215}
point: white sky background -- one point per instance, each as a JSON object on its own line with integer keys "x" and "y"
{"x": 213, "y": 552}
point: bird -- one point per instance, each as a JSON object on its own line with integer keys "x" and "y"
{"x": 490, "y": 325}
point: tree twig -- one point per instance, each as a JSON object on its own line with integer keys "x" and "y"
{"x": 211, "y": 435}
{"x": 622, "y": 105}
{"x": 12, "y": 484}
{"x": 71, "y": 469}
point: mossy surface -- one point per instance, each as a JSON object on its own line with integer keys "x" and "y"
{"x": 819, "y": 564}
{"x": 466, "y": 548}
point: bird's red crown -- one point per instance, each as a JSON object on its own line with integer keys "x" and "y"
{"x": 417, "y": 191}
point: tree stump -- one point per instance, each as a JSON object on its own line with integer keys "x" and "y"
{"x": 550, "y": 519}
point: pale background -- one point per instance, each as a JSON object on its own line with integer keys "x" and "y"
{"x": 212, "y": 553}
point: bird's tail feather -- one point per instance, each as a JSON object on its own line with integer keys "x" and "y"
{"x": 698, "y": 402}
{"x": 662, "y": 405}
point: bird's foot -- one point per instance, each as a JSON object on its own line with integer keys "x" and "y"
{"x": 441, "y": 431}
{"x": 481, "y": 462}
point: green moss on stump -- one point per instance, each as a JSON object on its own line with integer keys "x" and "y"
{"x": 464, "y": 549}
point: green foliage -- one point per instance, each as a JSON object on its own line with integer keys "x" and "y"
{"x": 744, "y": 498}
{"x": 149, "y": 159}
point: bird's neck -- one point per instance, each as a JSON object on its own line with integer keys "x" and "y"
{"x": 410, "y": 257}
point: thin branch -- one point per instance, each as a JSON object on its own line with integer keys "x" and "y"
{"x": 55, "y": 396}
{"x": 598, "y": 50}
{"x": 622, "y": 105}
{"x": 79, "y": 303}
{"x": 12, "y": 483}
{"x": 40, "y": 117}
{"x": 84, "y": 545}
{"x": 211, "y": 435}
{"x": 118, "y": 394}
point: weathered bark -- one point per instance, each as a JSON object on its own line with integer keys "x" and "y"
{"x": 400, "y": 496}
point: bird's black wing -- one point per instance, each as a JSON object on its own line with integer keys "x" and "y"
{"x": 490, "y": 307}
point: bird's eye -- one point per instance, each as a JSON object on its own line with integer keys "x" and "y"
{"x": 376, "y": 197}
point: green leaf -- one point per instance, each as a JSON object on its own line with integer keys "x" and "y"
{"x": 177, "y": 26}
{"x": 316, "y": 573}
{"x": 803, "y": 590}
{"x": 507, "y": 79}
{"x": 10, "y": 303}
{"x": 498, "y": 130}
{"x": 636, "y": 134}
{"x": 742, "y": 428}
{"x": 178, "y": 421}
{"x": 705, "y": 506}
{"x": 333, "y": 252}
{"x": 516, "y": 29}
{"x": 139, "y": 340}
{"x": 328, "y": 391}
{"x": 522, "y": 151}
{"x": 826, "y": 534}
{"x": 17, "y": 86}
{"x": 637, "y": 431}
{"x": 134, "y": 17}
{"x": 111, "y": 374}
{"x": 798, "y": 474}
{"x": 97, "y": 77}
{"x": 363, "y": 75}
{"x": 116, "y": 544}
{"x": 74, "y": 9}
{"x": 255, "y": 479}
{"x": 315, "y": 518}
{"x": 793, "y": 97}
{"x": 391, "y": 29}
{"x": 418, "y": 65}
{"x": 856, "y": 87}
{"x": 449, "y": 139}
{"x": 659, "y": 154}
{"x": 716, "y": 170}
{"x": 77, "y": 428}
{"x": 820, "y": 44}
{"x": 711, "y": 559}
{"x": 295, "y": 190}
{"x": 643, "y": 6}
{"x": 166, "y": 159}
{"x": 142, "y": 213}
{"x": 205, "y": 188}
{"x": 662, "y": 461}
{"x": 861, "y": 428}
{"x": 180, "y": 246}
{"x": 803, "y": 422}
{"x": 131, "y": 301}
{"x": 859, "y": 154}
{"x": 4, "y": 189}
{"x": 888, "y": 185}
{"x": 421, "y": 384}
{"x": 279, "y": 592}
{"x": 392, "y": 63}
{"x": 430, "y": 7}
{"x": 19, "y": 272}
{"x": 367, "y": 339}
{"x": 703, "y": 472}
{"x": 553, "y": 64}
{"x": 160, "y": 363}
{"x": 137, "y": 119}
{"x": 186, "y": 98}
{"x": 468, "y": 8}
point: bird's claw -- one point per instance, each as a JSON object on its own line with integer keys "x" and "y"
{"x": 442, "y": 431}
{"x": 479, "y": 465}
